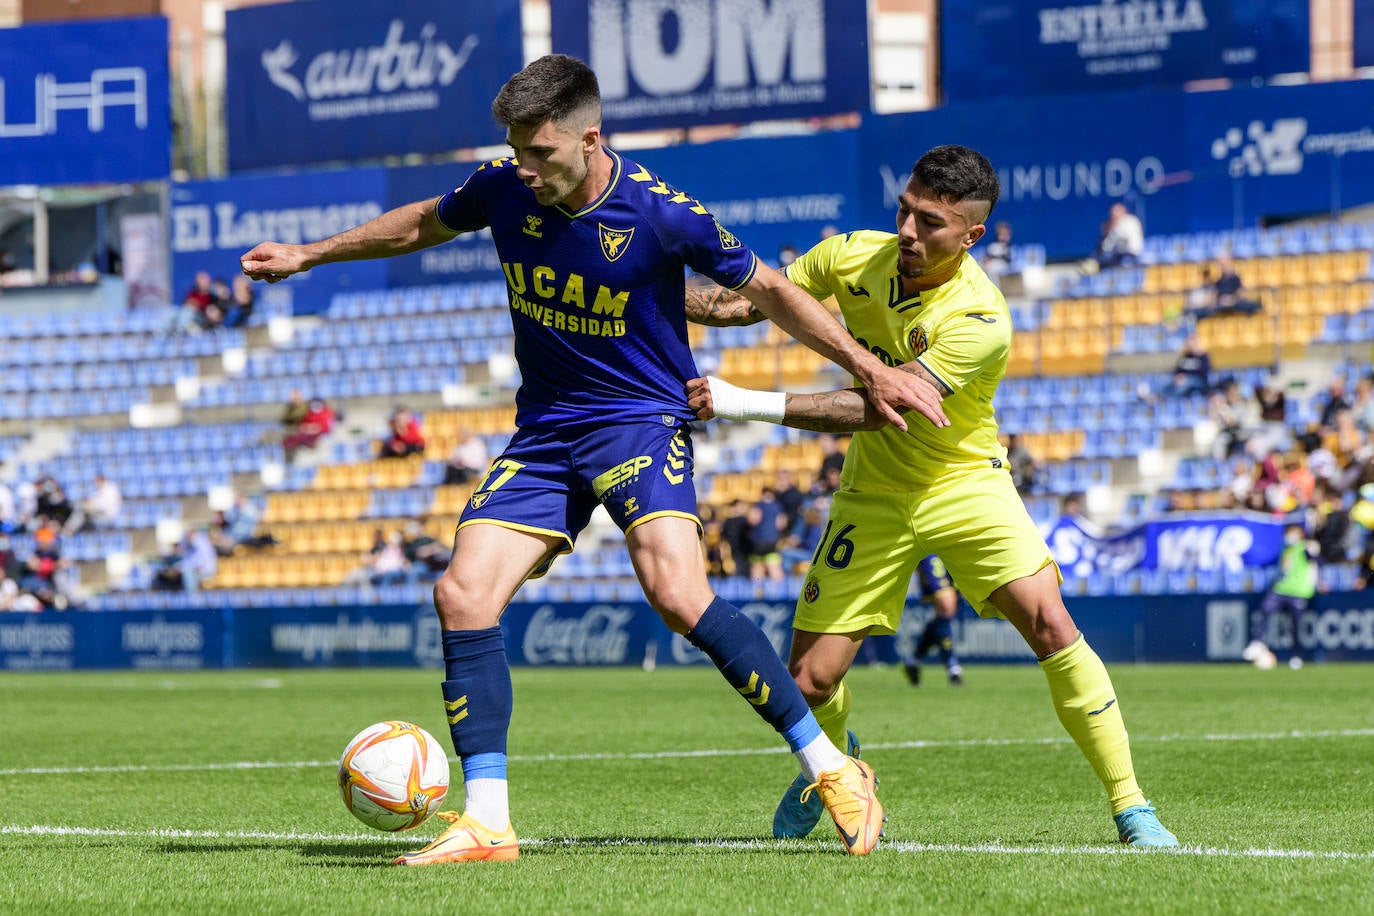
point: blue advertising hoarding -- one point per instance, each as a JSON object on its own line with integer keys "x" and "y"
{"x": 1122, "y": 628}
{"x": 675, "y": 63}
{"x": 214, "y": 222}
{"x": 1015, "y": 47}
{"x": 768, "y": 191}
{"x": 470, "y": 257}
{"x": 1183, "y": 161}
{"x": 1180, "y": 542}
{"x": 1364, "y": 33}
{"x": 85, "y": 102}
{"x": 321, "y": 81}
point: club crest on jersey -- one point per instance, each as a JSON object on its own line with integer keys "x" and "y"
{"x": 728, "y": 241}
{"x": 480, "y": 499}
{"x": 811, "y": 591}
{"x": 918, "y": 341}
{"x": 614, "y": 241}
{"x": 532, "y": 224}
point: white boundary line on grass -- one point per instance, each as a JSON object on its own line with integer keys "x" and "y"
{"x": 708, "y": 752}
{"x": 632, "y": 842}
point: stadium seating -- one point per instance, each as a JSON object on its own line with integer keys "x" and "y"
{"x": 1086, "y": 419}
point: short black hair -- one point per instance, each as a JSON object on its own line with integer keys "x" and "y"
{"x": 552, "y": 88}
{"x": 958, "y": 173}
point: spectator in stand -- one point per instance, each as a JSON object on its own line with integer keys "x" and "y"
{"x": 389, "y": 565}
{"x": 832, "y": 455}
{"x": 239, "y": 307}
{"x": 1025, "y": 470}
{"x": 220, "y": 537}
{"x": 1229, "y": 411}
{"x": 1192, "y": 372}
{"x": 997, "y": 252}
{"x": 786, "y": 255}
{"x": 314, "y": 424}
{"x": 719, "y": 563}
{"x": 1226, "y": 290}
{"x": 189, "y": 317}
{"x": 220, "y": 297}
{"x": 734, "y": 532}
{"x": 45, "y": 568}
{"x": 294, "y": 411}
{"x": 1362, "y": 407}
{"x": 200, "y": 561}
{"x": 1362, "y": 513}
{"x": 800, "y": 544}
{"x": 468, "y": 460}
{"x": 1336, "y": 401}
{"x": 242, "y": 521}
{"x": 426, "y": 555}
{"x": 404, "y": 436}
{"x": 52, "y": 503}
{"x": 790, "y": 498}
{"x": 1122, "y": 240}
{"x": 1273, "y": 433}
{"x": 827, "y": 483}
{"x": 766, "y": 522}
{"x": 11, "y": 571}
{"x": 100, "y": 509}
{"x": 9, "y": 509}
{"x": 167, "y": 569}
{"x": 1330, "y": 521}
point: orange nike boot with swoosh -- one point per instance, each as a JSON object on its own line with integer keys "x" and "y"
{"x": 850, "y": 794}
{"x": 465, "y": 840}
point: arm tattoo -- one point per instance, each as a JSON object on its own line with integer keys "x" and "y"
{"x": 714, "y": 305}
{"x": 846, "y": 410}
{"x": 916, "y": 369}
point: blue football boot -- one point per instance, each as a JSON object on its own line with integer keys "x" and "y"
{"x": 1138, "y": 826}
{"x": 795, "y": 818}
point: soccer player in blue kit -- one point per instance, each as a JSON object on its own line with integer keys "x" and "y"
{"x": 593, "y": 247}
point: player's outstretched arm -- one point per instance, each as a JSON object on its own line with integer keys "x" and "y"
{"x": 844, "y": 410}
{"x": 400, "y": 231}
{"x": 712, "y": 304}
{"x": 889, "y": 389}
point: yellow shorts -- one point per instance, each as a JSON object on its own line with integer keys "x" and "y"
{"x": 974, "y": 520}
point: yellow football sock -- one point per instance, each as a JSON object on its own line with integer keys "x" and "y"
{"x": 833, "y": 714}
{"x": 1086, "y": 705}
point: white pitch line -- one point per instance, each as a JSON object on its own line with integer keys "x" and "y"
{"x": 680, "y": 754}
{"x": 890, "y": 847}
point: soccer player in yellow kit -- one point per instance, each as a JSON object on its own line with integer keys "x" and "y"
{"x": 918, "y": 301}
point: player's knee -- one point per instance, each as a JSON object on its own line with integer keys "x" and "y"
{"x": 461, "y": 607}
{"x": 815, "y": 685}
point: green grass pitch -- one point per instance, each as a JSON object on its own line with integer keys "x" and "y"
{"x": 652, "y": 792}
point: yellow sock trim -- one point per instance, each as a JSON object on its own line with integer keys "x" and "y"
{"x": 833, "y": 714}
{"x": 1086, "y": 705}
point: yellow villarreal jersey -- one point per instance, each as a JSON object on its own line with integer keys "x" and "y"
{"x": 960, "y": 332}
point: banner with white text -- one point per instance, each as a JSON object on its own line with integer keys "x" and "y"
{"x": 214, "y": 222}
{"x": 1039, "y": 47}
{"x": 676, "y": 63}
{"x": 1183, "y": 161}
{"x": 346, "y": 80}
{"x": 85, "y": 102}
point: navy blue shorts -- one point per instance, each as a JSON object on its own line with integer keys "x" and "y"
{"x": 934, "y": 576}
{"x": 549, "y": 480}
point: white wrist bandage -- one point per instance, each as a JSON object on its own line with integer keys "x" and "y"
{"x": 731, "y": 402}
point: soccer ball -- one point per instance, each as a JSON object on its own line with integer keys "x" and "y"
{"x": 393, "y": 776}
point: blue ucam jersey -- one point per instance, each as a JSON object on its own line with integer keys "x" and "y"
{"x": 596, "y": 295}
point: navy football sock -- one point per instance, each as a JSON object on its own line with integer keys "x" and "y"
{"x": 750, "y": 665}
{"x": 478, "y": 699}
{"x": 944, "y": 640}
